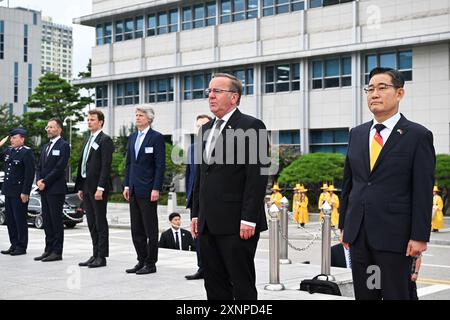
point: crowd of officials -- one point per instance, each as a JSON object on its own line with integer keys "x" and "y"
{"x": 383, "y": 211}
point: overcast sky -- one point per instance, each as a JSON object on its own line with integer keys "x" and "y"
{"x": 63, "y": 12}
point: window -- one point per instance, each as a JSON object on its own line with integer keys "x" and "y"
{"x": 2, "y": 40}
{"x": 246, "y": 77}
{"x": 271, "y": 7}
{"x": 199, "y": 16}
{"x": 127, "y": 93}
{"x": 160, "y": 90}
{"x": 329, "y": 141}
{"x": 194, "y": 86}
{"x": 103, "y": 34}
{"x": 34, "y": 18}
{"x": 282, "y": 77}
{"x": 324, "y": 3}
{"x": 30, "y": 79}
{"x": 129, "y": 26}
{"x": 101, "y": 96}
{"x": 401, "y": 60}
{"x": 237, "y": 10}
{"x": 16, "y": 82}
{"x": 25, "y": 43}
{"x": 139, "y": 27}
{"x": 291, "y": 137}
{"x": 332, "y": 72}
{"x": 162, "y": 22}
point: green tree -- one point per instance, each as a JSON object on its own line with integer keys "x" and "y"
{"x": 53, "y": 97}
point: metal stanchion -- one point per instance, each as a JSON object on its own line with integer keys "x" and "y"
{"x": 284, "y": 231}
{"x": 326, "y": 240}
{"x": 274, "y": 253}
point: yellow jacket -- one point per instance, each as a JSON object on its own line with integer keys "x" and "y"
{"x": 438, "y": 216}
{"x": 334, "y": 202}
{"x": 276, "y": 198}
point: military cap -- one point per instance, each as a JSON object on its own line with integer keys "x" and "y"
{"x": 20, "y": 131}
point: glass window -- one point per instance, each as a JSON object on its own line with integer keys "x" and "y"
{"x": 127, "y": 93}
{"x": 108, "y": 33}
{"x": 291, "y": 137}
{"x": 282, "y": 78}
{"x": 194, "y": 86}
{"x": 211, "y": 13}
{"x": 199, "y": 15}
{"x": 268, "y": 8}
{"x": 129, "y": 25}
{"x": 99, "y": 34}
{"x": 101, "y": 96}
{"x": 286, "y": 78}
{"x": 388, "y": 60}
{"x": 187, "y": 18}
{"x": 401, "y": 61}
{"x": 329, "y": 141}
{"x": 332, "y": 73}
{"x": 139, "y": 27}
{"x": 225, "y": 11}
{"x": 162, "y": 23}
{"x": 119, "y": 31}
{"x": 173, "y": 15}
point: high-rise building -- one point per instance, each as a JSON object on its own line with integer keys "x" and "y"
{"x": 57, "y": 49}
{"x": 20, "y": 59}
{"x": 303, "y": 63}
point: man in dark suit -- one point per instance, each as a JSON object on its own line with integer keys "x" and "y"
{"x": 190, "y": 180}
{"x": 93, "y": 185}
{"x": 51, "y": 181}
{"x": 387, "y": 192}
{"x": 176, "y": 237}
{"x": 19, "y": 176}
{"x": 228, "y": 208}
{"x": 144, "y": 174}
{"x": 340, "y": 256}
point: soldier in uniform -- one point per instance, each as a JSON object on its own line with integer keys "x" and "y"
{"x": 334, "y": 203}
{"x": 276, "y": 196}
{"x": 19, "y": 176}
{"x": 324, "y": 196}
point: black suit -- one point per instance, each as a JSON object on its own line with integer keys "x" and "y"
{"x": 52, "y": 169}
{"x": 338, "y": 256}
{"x": 98, "y": 174}
{"x": 382, "y": 209}
{"x": 167, "y": 240}
{"x": 224, "y": 195}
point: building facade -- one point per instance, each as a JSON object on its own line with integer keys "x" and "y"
{"x": 304, "y": 64}
{"x": 57, "y": 49}
{"x": 20, "y": 59}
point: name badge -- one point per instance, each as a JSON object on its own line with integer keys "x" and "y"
{"x": 56, "y": 153}
{"x": 148, "y": 149}
{"x": 95, "y": 145}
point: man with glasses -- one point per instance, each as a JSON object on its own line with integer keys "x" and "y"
{"x": 51, "y": 181}
{"x": 228, "y": 200}
{"x": 387, "y": 193}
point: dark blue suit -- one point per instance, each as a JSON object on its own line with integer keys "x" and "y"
{"x": 381, "y": 210}
{"x": 190, "y": 180}
{"x": 52, "y": 170}
{"x": 19, "y": 176}
{"x": 143, "y": 174}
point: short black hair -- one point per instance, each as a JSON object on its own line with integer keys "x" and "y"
{"x": 173, "y": 215}
{"x": 58, "y": 122}
{"x": 398, "y": 79}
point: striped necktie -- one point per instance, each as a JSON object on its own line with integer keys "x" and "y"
{"x": 376, "y": 145}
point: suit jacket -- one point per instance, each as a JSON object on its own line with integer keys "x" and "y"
{"x": 146, "y": 173}
{"x": 19, "y": 171}
{"x": 338, "y": 256}
{"x": 53, "y": 169}
{"x": 98, "y": 165}
{"x": 190, "y": 175}
{"x": 225, "y": 194}
{"x": 394, "y": 199}
{"x": 167, "y": 240}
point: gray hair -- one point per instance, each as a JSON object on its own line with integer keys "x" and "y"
{"x": 148, "y": 111}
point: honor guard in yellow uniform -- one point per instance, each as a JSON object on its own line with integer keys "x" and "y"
{"x": 303, "y": 214}
{"x": 324, "y": 196}
{"x": 437, "y": 221}
{"x": 296, "y": 203}
{"x": 334, "y": 202}
{"x": 276, "y": 196}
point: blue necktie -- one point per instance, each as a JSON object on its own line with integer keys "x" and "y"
{"x": 137, "y": 145}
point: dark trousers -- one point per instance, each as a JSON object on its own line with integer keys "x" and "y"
{"x": 97, "y": 223}
{"x": 395, "y": 271}
{"x": 199, "y": 257}
{"x": 229, "y": 266}
{"x": 16, "y": 218}
{"x": 52, "y": 212}
{"x": 144, "y": 229}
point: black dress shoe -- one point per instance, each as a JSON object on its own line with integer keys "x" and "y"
{"x": 97, "y": 263}
{"x": 195, "y": 276}
{"x": 86, "y": 263}
{"x": 146, "y": 269}
{"x": 7, "y": 251}
{"x": 135, "y": 268}
{"x": 52, "y": 257}
{"x": 42, "y": 256}
{"x": 18, "y": 252}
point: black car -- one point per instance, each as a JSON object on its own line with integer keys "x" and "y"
{"x": 72, "y": 211}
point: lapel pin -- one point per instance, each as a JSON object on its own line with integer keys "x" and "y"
{"x": 229, "y": 127}
{"x": 400, "y": 131}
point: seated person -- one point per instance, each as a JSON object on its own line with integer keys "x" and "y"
{"x": 176, "y": 237}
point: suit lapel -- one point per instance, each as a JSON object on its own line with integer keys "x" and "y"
{"x": 367, "y": 146}
{"x": 145, "y": 141}
{"x": 97, "y": 141}
{"x": 395, "y": 136}
{"x": 131, "y": 145}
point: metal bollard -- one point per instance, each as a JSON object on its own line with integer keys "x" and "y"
{"x": 326, "y": 240}
{"x": 172, "y": 202}
{"x": 284, "y": 219}
{"x": 274, "y": 253}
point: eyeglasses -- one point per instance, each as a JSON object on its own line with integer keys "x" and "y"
{"x": 382, "y": 87}
{"x": 217, "y": 91}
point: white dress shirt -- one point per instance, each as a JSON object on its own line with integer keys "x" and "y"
{"x": 386, "y": 132}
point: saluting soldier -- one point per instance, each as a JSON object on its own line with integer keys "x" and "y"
{"x": 19, "y": 176}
